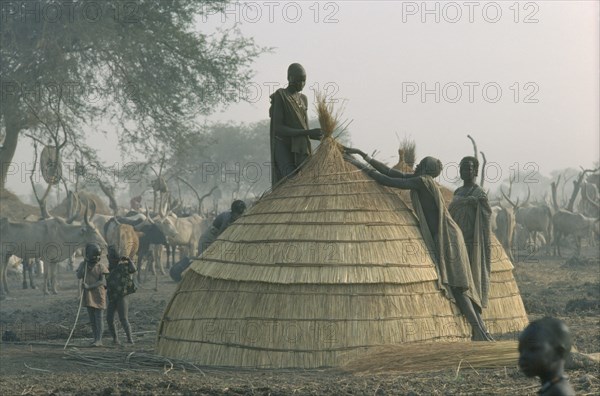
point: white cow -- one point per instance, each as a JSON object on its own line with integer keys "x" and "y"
{"x": 51, "y": 240}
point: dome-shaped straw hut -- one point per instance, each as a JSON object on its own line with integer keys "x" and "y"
{"x": 324, "y": 267}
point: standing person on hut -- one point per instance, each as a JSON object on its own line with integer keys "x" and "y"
{"x": 92, "y": 273}
{"x": 290, "y": 144}
{"x": 471, "y": 210}
{"x": 438, "y": 229}
{"x": 119, "y": 285}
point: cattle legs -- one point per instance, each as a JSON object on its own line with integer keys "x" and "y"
{"x": 28, "y": 268}
{"x": 50, "y": 276}
{"x": 3, "y": 269}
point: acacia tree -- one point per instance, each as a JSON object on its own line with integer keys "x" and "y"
{"x": 144, "y": 64}
{"x": 233, "y": 156}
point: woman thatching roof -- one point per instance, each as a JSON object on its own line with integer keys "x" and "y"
{"x": 440, "y": 232}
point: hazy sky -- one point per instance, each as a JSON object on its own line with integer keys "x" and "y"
{"x": 520, "y": 77}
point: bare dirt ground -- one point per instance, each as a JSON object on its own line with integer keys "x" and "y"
{"x": 38, "y": 365}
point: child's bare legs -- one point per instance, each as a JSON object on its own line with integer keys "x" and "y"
{"x": 97, "y": 324}
{"x": 121, "y": 306}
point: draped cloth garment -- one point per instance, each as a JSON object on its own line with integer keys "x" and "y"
{"x": 288, "y": 152}
{"x": 471, "y": 211}
{"x": 450, "y": 252}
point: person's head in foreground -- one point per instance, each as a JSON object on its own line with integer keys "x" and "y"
{"x": 543, "y": 347}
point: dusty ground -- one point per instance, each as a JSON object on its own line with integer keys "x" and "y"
{"x": 38, "y": 365}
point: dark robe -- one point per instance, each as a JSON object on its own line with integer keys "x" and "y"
{"x": 471, "y": 211}
{"x": 219, "y": 225}
{"x": 288, "y": 153}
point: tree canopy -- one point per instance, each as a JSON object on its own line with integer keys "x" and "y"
{"x": 145, "y": 65}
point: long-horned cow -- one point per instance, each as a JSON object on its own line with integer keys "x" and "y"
{"x": 505, "y": 228}
{"x": 150, "y": 233}
{"x": 589, "y": 204}
{"x": 123, "y": 237}
{"x": 189, "y": 229}
{"x": 51, "y": 240}
{"x": 74, "y": 211}
{"x": 506, "y": 221}
{"x": 575, "y": 224}
{"x": 536, "y": 219}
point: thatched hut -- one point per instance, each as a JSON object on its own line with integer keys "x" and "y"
{"x": 323, "y": 268}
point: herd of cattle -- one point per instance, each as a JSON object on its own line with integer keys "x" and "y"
{"x": 142, "y": 236}
{"x": 137, "y": 235}
{"x": 532, "y": 226}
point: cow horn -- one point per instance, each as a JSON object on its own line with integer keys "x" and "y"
{"x": 92, "y": 208}
{"x": 167, "y": 209}
{"x": 160, "y": 205}
{"x": 164, "y": 212}
{"x": 174, "y": 208}
{"x": 77, "y": 205}
{"x": 85, "y": 214}
{"x": 589, "y": 194}
{"x": 148, "y": 215}
{"x": 72, "y": 213}
{"x": 528, "y": 195}
{"x": 69, "y": 203}
{"x": 508, "y": 199}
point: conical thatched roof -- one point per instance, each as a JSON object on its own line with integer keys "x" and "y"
{"x": 321, "y": 269}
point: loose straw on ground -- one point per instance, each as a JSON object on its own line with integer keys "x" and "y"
{"x": 431, "y": 356}
{"x": 132, "y": 361}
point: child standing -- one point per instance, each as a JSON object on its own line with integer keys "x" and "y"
{"x": 92, "y": 272}
{"x": 543, "y": 347}
{"x": 120, "y": 285}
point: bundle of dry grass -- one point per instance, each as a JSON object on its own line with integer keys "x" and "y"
{"x": 323, "y": 268}
{"x": 328, "y": 117}
{"x": 409, "y": 148}
{"x": 407, "y": 153}
{"x": 434, "y": 356}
